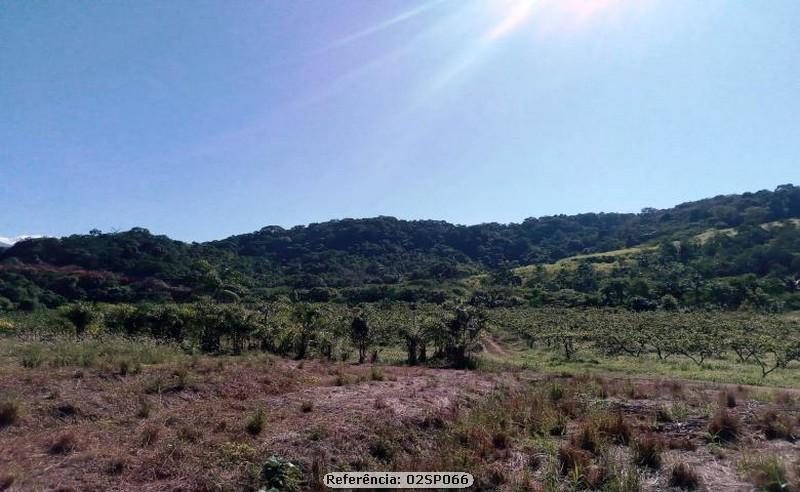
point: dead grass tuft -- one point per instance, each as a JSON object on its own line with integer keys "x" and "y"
{"x": 684, "y": 477}
{"x": 65, "y": 410}
{"x": 727, "y": 399}
{"x": 149, "y": 435}
{"x": 587, "y": 438}
{"x": 64, "y": 443}
{"x": 777, "y": 425}
{"x": 572, "y": 459}
{"x": 6, "y": 481}
{"x": 724, "y": 426}
{"x": 616, "y": 428}
{"x": 647, "y": 451}
{"x": 10, "y": 411}
{"x": 115, "y": 466}
{"x": 501, "y": 440}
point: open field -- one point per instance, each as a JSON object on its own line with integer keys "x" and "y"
{"x": 155, "y": 419}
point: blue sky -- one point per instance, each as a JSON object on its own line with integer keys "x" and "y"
{"x": 204, "y": 119}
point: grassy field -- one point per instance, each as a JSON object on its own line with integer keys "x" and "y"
{"x": 516, "y": 354}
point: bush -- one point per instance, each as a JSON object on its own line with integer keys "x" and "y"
{"x": 81, "y": 315}
{"x": 256, "y": 422}
{"x": 307, "y": 406}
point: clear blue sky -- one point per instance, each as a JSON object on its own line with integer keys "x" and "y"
{"x": 202, "y": 119}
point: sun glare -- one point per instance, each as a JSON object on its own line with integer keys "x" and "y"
{"x": 550, "y": 15}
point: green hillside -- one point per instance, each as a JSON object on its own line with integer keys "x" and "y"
{"x": 727, "y": 251}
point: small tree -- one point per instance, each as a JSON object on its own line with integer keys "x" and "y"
{"x": 81, "y": 315}
{"x": 463, "y": 334}
{"x": 359, "y": 334}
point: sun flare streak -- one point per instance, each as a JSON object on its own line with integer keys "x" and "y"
{"x": 520, "y": 11}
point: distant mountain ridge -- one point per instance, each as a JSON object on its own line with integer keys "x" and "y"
{"x": 350, "y": 256}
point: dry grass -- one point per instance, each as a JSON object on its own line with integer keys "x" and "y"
{"x": 512, "y": 431}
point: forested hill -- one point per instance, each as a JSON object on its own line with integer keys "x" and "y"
{"x": 383, "y": 257}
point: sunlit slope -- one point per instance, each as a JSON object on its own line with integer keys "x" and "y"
{"x": 613, "y": 256}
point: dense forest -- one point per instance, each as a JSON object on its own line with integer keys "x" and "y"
{"x": 729, "y": 252}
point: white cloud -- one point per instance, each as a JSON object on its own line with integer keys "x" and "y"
{"x": 11, "y": 240}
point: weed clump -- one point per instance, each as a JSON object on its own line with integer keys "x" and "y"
{"x": 256, "y": 422}
{"x": 381, "y": 450}
{"x": 127, "y": 366}
{"x": 307, "y": 406}
{"x": 555, "y": 392}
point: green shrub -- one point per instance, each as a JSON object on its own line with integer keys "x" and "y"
{"x": 279, "y": 474}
